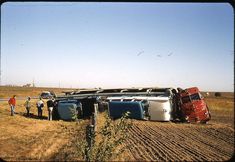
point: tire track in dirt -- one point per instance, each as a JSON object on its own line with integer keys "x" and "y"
{"x": 207, "y": 142}
{"x": 171, "y": 143}
{"x": 222, "y": 134}
{"x": 138, "y": 147}
{"x": 187, "y": 143}
{"x": 139, "y": 135}
{"x": 202, "y": 142}
{"x": 161, "y": 141}
{"x": 137, "y": 153}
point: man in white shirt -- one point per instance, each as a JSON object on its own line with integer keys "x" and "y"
{"x": 40, "y": 105}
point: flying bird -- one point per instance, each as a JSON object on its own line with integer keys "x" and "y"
{"x": 140, "y": 53}
{"x": 170, "y": 54}
{"x": 159, "y": 55}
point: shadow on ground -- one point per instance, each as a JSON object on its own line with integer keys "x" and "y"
{"x": 33, "y": 116}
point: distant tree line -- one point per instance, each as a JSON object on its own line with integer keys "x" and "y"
{"x": 218, "y": 94}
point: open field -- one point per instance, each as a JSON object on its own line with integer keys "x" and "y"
{"x": 30, "y": 138}
{"x": 6, "y": 92}
{"x": 23, "y": 138}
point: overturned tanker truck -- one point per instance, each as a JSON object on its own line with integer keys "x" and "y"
{"x": 156, "y": 104}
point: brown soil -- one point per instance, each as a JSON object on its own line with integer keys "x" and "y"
{"x": 153, "y": 141}
{"x": 164, "y": 141}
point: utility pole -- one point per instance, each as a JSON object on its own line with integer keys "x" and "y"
{"x": 33, "y": 83}
{"x": 0, "y": 67}
{"x": 0, "y": 75}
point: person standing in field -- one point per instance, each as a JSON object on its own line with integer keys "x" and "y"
{"x": 40, "y": 105}
{"x": 12, "y": 103}
{"x": 50, "y": 105}
{"x": 175, "y": 105}
{"x": 180, "y": 113}
{"x": 27, "y": 105}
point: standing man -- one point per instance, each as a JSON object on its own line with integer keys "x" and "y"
{"x": 180, "y": 113}
{"x": 50, "y": 105}
{"x": 40, "y": 105}
{"x": 27, "y": 105}
{"x": 12, "y": 103}
{"x": 175, "y": 105}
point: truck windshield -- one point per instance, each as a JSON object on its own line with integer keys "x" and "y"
{"x": 185, "y": 99}
{"x": 195, "y": 96}
{"x": 190, "y": 98}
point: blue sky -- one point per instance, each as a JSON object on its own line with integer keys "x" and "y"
{"x": 108, "y": 45}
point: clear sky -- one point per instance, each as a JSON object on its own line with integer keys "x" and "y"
{"x": 110, "y": 45}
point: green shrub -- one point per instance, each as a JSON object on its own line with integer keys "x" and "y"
{"x": 74, "y": 113}
{"x": 111, "y": 144}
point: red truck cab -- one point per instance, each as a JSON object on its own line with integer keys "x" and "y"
{"x": 193, "y": 106}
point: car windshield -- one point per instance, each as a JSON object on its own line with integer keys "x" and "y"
{"x": 45, "y": 94}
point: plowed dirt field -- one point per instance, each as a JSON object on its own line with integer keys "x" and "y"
{"x": 164, "y": 141}
{"x": 152, "y": 141}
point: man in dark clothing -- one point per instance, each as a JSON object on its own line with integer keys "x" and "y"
{"x": 179, "y": 90}
{"x": 27, "y": 105}
{"x": 175, "y": 105}
{"x": 50, "y": 105}
{"x": 179, "y": 111}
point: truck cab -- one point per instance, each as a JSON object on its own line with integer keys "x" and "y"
{"x": 193, "y": 106}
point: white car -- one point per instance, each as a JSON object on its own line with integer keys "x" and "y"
{"x": 47, "y": 94}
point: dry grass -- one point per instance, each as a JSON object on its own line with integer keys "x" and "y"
{"x": 221, "y": 104}
{"x": 222, "y": 110}
{"x": 23, "y": 138}
{"x": 223, "y": 94}
{"x": 6, "y": 92}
